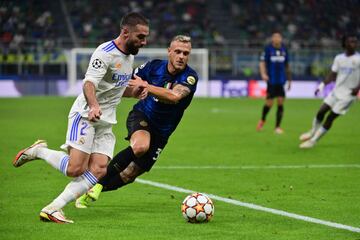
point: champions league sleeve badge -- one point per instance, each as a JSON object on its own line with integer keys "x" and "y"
{"x": 97, "y": 63}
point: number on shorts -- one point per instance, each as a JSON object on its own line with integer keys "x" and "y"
{"x": 158, "y": 151}
{"x": 82, "y": 131}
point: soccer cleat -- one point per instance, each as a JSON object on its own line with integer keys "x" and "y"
{"x": 307, "y": 144}
{"x": 279, "y": 130}
{"x": 305, "y": 136}
{"x": 83, "y": 201}
{"x": 95, "y": 191}
{"x": 92, "y": 195}
{"x": 28, "y": 154}
{"x": 56, "y": 216}
{"x": 260, "y": 125}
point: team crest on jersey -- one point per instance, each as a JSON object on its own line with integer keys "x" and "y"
{"x": 97, "y": 63}
{"x": 82, "y": 140}
{"x": 118, "y": 65}
{"x": 191, "y": 80}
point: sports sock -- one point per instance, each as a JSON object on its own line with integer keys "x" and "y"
{"x": 265, "y": 111}
{"x": 114, "y": 183}
{"x": 318, "y": 134}
{"x": 117, "y": 165}
{"x": 57, "y": 159}
{"x": 279, "y": 115}
{"x": 315, "y": 126}
{"x": 77, "y": 187}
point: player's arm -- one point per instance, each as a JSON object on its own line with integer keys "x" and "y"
{"x": 263, "y": 72}
{"x": 171, "y": 96}
{"x": 331, "y": 77}
{"x": 89, "y": 93}
{"x": 136, "y": 92}
{"x": 288, "y": 75}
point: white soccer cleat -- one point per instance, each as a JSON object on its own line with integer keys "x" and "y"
{"x": 28, "y": 154}
{"x": 305, "y": 136}
{"x": 279, "y": 130}
{"x": 56, "y": 216}
{"x": 307, "y": 144}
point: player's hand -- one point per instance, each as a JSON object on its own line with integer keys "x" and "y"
{"x": 289, "y": 86}
{"x": 265, "y": 77}
{"x": 137, "y": 82}
{"x": 94, "y": 114}
{"x": 319, "y": 88}
{"x": 143, "y": 94}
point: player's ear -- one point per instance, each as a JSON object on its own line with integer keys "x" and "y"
{"x": 125, "y": 31}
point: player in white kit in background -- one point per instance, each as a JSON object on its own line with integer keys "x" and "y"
{"x": 90, "y": 141}
{"x": 346, "y": 72}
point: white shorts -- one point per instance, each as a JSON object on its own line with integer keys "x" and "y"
{"x": 88, "y": 136}
{"x": 339, "y": 106}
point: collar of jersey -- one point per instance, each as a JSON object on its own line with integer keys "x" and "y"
{"x": 119, "y": 48}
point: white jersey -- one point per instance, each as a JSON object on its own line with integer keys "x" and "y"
{"x": 348, "y": 74}
{"x": 110, "y": 70}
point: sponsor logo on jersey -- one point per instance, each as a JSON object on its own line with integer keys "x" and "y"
{"x": 277, "y": 58}
{"x": 97, "y": 63}
{"x": 121, "y": 79}
{"x": 190, "y": 80}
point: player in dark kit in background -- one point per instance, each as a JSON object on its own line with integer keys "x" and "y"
{"x": 171, "y": 85}
{"x": 275, "y": 71}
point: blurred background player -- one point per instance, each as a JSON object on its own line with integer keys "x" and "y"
{"x": 275, "y": 71}
{"x": 171, "y": 85}
{"x": 90, "y": 141}
{"x": 346, "y": 72}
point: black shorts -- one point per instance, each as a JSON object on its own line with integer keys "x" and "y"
{"x": 137, "y": 121}
{"x": 274, "y": 91}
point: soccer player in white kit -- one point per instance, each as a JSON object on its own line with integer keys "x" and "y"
{"x": 346, "y": 71}
{"x": 90, "y": 141}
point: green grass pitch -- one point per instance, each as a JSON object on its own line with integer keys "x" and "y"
{"x": 213, "y": 132}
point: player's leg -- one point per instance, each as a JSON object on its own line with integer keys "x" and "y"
{"x": 279, "y": 114}
{"x": 77, "y": 166}
{"x": 316, "y": 123}
{"x": 265, "y": 110}
{"x": 322, "y": 130}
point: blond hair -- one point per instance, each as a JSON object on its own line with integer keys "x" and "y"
{"x": 181, "y": 38}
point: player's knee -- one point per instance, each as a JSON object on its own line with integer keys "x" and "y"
{"x": 140, "y": 149}
{"x": 99, "y": 171}
{"x": 75, "y": 170}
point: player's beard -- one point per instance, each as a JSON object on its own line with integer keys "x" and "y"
{"x": 132, "y": 49}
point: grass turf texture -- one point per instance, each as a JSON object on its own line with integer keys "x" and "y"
{"x": 213, "y": 132}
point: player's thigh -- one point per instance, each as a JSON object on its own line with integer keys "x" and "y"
{"x": 97, "y": 164}
{"x": 140, "y": 142}
{"x": 341, "y": 107}
{"x": 157, "y": 145}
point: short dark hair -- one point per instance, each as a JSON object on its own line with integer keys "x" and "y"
{"x": 132, "y": 19}
{"x": 345, "y": 37}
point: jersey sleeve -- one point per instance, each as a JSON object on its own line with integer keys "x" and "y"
{"x": 98, "y": 66}
{"x": 143, "y": 71}
{"x": 190, "y": 80}
{"x": 262, "y": 55}
{"x": 335, "y": 65}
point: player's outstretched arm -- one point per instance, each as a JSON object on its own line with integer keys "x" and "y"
{"x": 329, "y": 78}
{"x": 89, "y": 93}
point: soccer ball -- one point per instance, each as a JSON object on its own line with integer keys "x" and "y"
{"x": 197, "y": 208}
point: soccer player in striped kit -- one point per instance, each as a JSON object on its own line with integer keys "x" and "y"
{"x": 90, "y": 141}
{"x": 275, "y": 71}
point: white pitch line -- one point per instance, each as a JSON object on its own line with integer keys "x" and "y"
{"x": 263, "y": 167}
{"x": 254, "y": 206}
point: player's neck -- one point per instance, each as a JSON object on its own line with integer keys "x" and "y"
{"x": 121, "y": 46}
{"x": 276, "y": 45}
{"x": 349, "y": 52}
{"x": 171, "y": 69}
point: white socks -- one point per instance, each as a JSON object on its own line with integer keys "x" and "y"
{"x": 318, "y": 134}
{"x": 77, "y": 187}
{"x": 315, "y": 126}
{"x": 57, "y": 159}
